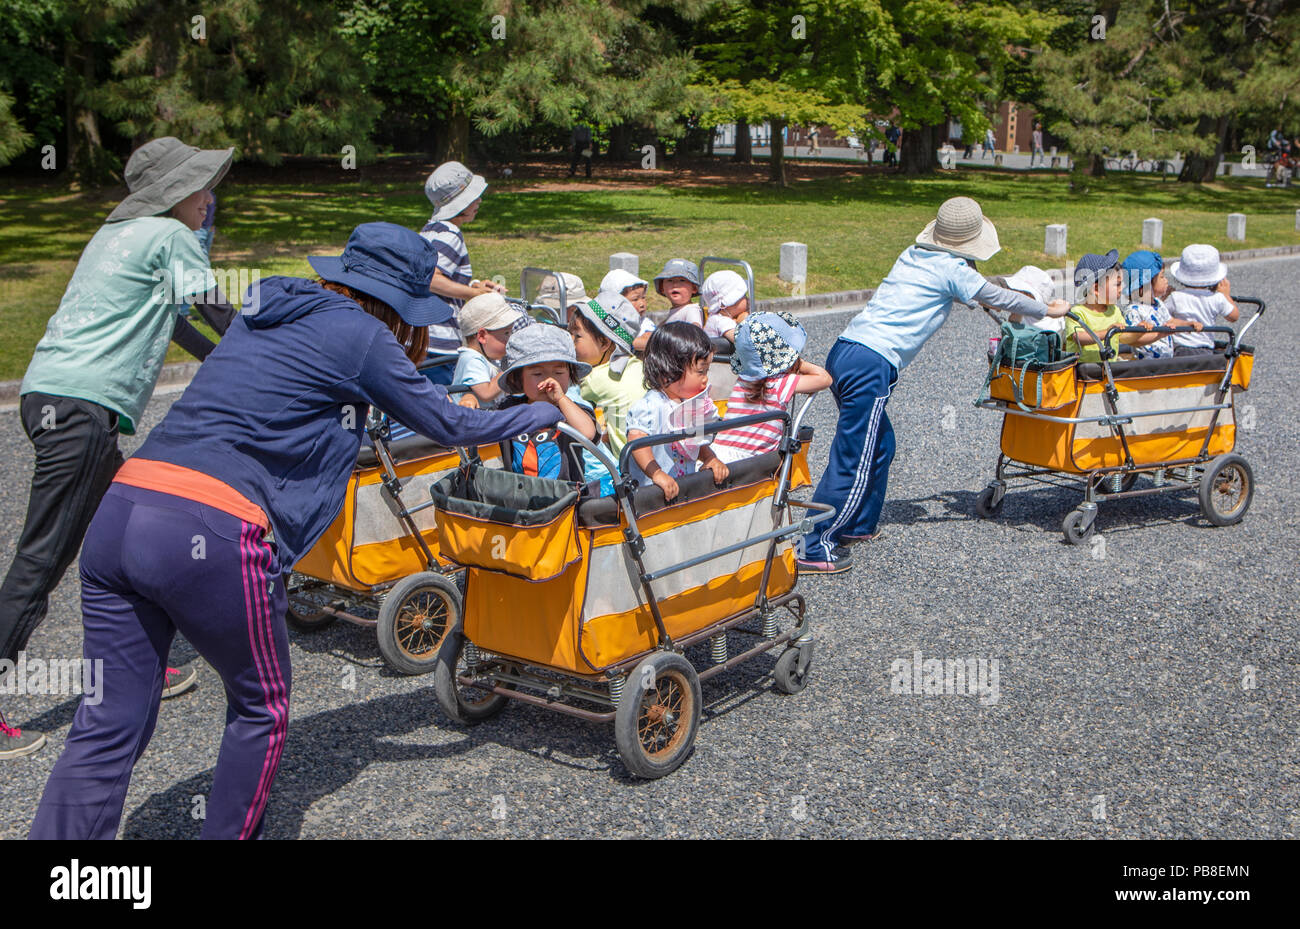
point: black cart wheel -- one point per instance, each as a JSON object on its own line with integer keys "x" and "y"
{"x": 461, "y": 702}
{"x": 1227, "y": 487}
{"x": 414, "y": 619}
{"x": 305, "y": 613}
{"x": 658, "y": 715}
{"x": 1074, "y": 527}
{"x": 985, "y": 507}
{"x": 790, "y": 674}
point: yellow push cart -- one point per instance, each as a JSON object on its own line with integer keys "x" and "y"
{"x": 377, "y": 565}
{"x": 1103, "y": 427}
{"x": 587, "y": 607}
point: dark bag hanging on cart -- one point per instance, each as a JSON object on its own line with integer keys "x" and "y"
{"x": 1029, "y": 350}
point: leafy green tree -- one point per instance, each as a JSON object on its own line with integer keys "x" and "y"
{"x": 560, "y": 62}
{"x": 267, "y": 76}
{"x": 410, "y": 48}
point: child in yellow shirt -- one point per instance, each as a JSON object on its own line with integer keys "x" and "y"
{"x": 1099, "y": 282}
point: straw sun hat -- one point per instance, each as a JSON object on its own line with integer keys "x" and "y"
{"x": 961, "y": 229}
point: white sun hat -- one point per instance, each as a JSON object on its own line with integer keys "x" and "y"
{"x": 960, "y": 228}
{"x": 1033, "y": 281}
{"x": 1199, "y": 266}
{"x": 618, "y": 280}
{"x": 451, "y": 188}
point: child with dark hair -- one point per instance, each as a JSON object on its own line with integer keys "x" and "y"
{"x": 677, "y": 399}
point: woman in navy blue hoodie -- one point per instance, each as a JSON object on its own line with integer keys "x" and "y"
{"x": 263, "y": 440}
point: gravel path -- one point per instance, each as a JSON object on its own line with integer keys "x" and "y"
{"x": 1120, "y": 691}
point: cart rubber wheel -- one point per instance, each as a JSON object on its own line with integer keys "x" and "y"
{"x": 786, "y": 675}
{"x": 1227, "y": 487}
{"x": 465, "y": 705}
{"x": 1071, "y": 527}
{"x": 985, "y": 508}
{"x": 658, "y": 715}
{"x": 307, "y": 620}
{"x": 414, "y": 619}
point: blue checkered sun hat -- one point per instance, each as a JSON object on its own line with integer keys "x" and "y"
{"x": 767, "y": 344}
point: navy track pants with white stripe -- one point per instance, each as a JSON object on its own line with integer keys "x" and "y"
{"x": 858, "y": 471}
{"x": 154, "y": 563}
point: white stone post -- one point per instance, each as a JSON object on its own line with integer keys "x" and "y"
{"x": 1237, "y": 227}
{"x": 1054, "y": 240}
{"x": 794, "y": 262}
{"x": 1153, "y": 233}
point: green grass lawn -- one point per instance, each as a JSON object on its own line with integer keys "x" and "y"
{"x": 854, "y": 225}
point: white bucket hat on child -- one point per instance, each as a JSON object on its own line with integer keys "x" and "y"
{"x": 1199, "y": 266}
{"x": 451, "y": 188}
{"x": 538, "y": 344}
{"x": 722, "y": 289}
{"x": 1033, "y": 281}
{"x": 487, "y": 311}
{"x": 960, "y": 228}
{"x": 618, "y": 280}
{"x": 548, "y": 294}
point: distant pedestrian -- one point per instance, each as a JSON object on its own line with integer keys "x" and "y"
{"x": 893, "y": 138}
{"x": 580, "y": 142}
{"x": 988, "y": 144}
{"x": 1038, "y": 145}
{"x": 814, "y": 148}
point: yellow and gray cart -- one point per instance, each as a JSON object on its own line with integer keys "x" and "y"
{"x": 588, "y": 607}
{"x": 1102, "y": 427}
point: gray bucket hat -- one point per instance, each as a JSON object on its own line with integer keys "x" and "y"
{"x": 535, "y": 345}
{"x": 163, "y": 172}
{"x": 679, "y": 267}
{"x": 451, "y": 188}
{"x": 616, "y": 319}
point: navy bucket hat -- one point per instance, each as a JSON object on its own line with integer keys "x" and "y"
{"x": 393, "y": 264}
{"x": 1091, "y": 267}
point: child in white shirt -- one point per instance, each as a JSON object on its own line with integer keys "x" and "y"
{"x": 1205, "y": 300}
{"x": 677, "y": 400}
{"x": 486, "y": 322}
{"x": 679, "y": 281}
{"x": 726, "y": 296}
{"x": 1146, "y": 283}
{"x": 633, "y": 290}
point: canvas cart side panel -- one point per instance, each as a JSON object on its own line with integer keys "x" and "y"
{"x": 367, "y": 545}
{"x": 616, "y": 622}
{"x": 535, "y": 622}
{"x": 1153, "y": 439}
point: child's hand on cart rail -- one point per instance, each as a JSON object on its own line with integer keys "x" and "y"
{"x": 718, "y": 467}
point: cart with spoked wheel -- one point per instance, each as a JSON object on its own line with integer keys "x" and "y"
{"x": 1125, "y": 428}
{"x": 377, "y": 565}
{"x": 589, "y": 607}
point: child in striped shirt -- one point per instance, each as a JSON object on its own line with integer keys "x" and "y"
{"x": 769, "y": 372}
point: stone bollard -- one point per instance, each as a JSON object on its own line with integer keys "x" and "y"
{"x": 1297, "y": 220}
{"x": 625, "y": 261}
{"x": 1056, "y": 161}
{"x": 794, "y": 262}
{"x": 1237, "y": 227}
{"x": 1153, "y": 233}
{"x": 997, "y": 159}
{"x": 1227, "y": 169}
{"x": 1054, "y": 241}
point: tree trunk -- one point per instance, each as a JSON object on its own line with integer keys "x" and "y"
{"x": 1096, "y": 166}
{"x": 89, "y": 164}
{"x": 1198, "y": 169}
{"x": 620, "y": 143}
{"x": 917, "y": 154}
{"x": 777, "y": 161}
{"x": 744, "y": 145}
{"x": 452, "y": 142}
{"x": 708, "y": 145}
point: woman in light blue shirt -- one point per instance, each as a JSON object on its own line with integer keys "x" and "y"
{"x": 910, "y": 305}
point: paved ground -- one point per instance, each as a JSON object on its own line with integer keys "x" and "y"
{"x": 1120, "y": 677}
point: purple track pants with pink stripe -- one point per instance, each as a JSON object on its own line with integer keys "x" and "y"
{"x": 154, "y": 564}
